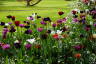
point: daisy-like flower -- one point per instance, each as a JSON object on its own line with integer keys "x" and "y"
{"x": 31, "y": 41}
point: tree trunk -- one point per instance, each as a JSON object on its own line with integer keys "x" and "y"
{"x": 28, "y": 2}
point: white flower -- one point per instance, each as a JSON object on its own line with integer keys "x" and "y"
{"x": 59, "y": 32}
{"x": 16, "y": 41}
{"x": 6, "y": 24}
{"x": 31, "y": 40}
{"x": 52, "y": 32}
{"x": 77, "y": 10}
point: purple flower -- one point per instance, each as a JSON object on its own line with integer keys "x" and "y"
{"x": 54, "y": 25}
{"x": 12, "y": 29}
{"x": 59, "y": 21}
{"x": 78, "y": 47}
{"x": 30, "y": 18}
{"x": 75, "y": 20}
{"x": 6, "y": 46}
{"x": 28, "y": 31}
{"x": 42, "y": 22}
{"x": 40, "y": 29}
{"x": 4, "y": 33}
{"x": 17, "y": 45}
{"x": 2, "y": 23}
{"x": 47, "y": 19}
{"x": 88, "y": 27}
{"x": 21, "y": 25}
{"x": 95, "y": 24}
{"x": 28, "y": 46}
{"x": 64, "y": 19}
{"x": 9, "y": 23}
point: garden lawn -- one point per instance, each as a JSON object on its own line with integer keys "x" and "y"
{"x": 46, "y": 8}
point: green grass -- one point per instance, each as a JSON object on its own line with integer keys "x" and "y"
{"x": 46, "y": 8}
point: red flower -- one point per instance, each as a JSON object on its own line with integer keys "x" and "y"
{"x": 77, "y": 55}
{"x": 56, "y": 36}
{"x": 17, "y": 23}
{"x": 74, "y": 12}
{"x": 60, "y": 13}
{"x": 13, "y": 18}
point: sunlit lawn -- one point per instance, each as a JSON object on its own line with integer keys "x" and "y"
{"x": 46, "y": 8}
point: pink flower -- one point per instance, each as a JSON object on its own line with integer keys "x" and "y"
{"x": 28, "y": 46}
{"x": 54, "y": 25}
{"x": 75, "y": 20}
{"x": 85, "y": 1}
{"x": 40, "y": 29}
{"x": 6, "y": 46}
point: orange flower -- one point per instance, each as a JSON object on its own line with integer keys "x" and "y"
{"x": 38, "y": 46}
{"x": 77, "y": 55}
{"x": 65, "y": 35}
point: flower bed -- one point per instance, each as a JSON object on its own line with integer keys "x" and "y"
{"x": 38, "y": 40}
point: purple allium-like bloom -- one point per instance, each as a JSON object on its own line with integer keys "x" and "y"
{"x": 28, "y": 46}
{"x": 40, "y": 29}
{"x": 28, "y": 31}
{"x": 54, "y": 25}
{"x": 42, "y": 22}
{"x": 6, "y": 46}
